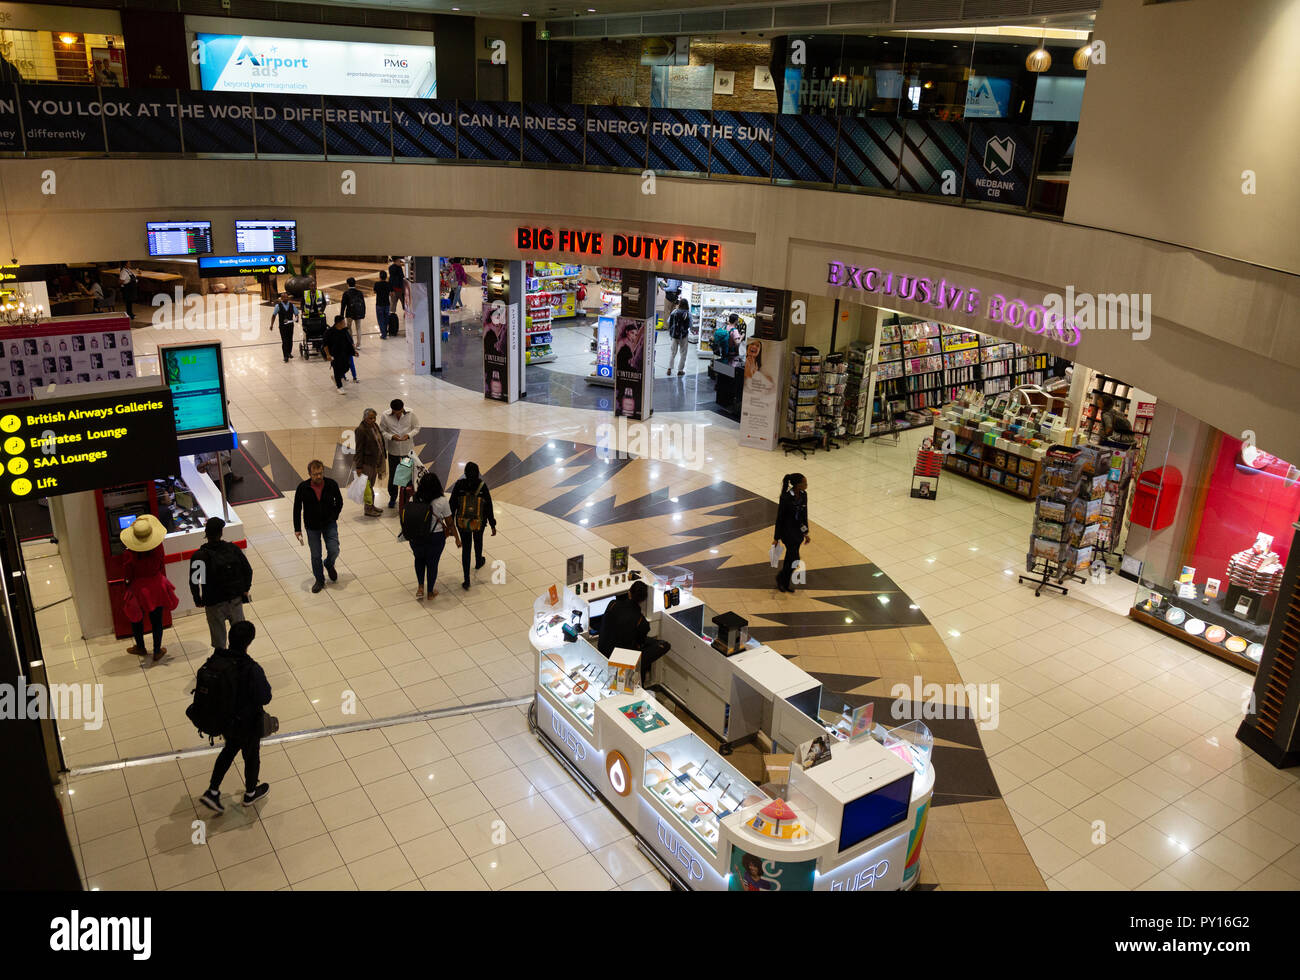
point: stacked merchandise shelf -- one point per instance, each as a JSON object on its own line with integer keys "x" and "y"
{"x": 537, "y": 328}
{"x": 857, "y": 386}
{"x": 994, "y": 447}
{"x": 801, "y": 405}
{"x": 1118, "y": 465}
{"x": 830, "y": 399}
{"x": 1067, "y": 515}
{"x": 561, "y": 282}
{"x": 712, "y": 305}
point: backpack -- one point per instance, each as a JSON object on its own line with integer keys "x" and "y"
{"x": 216, "y": 696}
{"x": 227, "y": 578}
{"x": 415, "y": 521}
{"x": 469, "y": 510}
{"x": 722, "y": 342}
{"x": 356, "y": 305}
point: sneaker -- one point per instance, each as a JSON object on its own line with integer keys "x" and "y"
{"x": 251, "y": 798}
{"x": 212, "y": 800}
{"x": 333, "y": 573}
{"x": 318, "y": 585}
{"x": 341, "y": 390}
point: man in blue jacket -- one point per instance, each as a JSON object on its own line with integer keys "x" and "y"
{"x": 244, "y": 732}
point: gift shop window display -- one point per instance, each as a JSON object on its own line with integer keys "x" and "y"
{"x": 1210, "y": 532}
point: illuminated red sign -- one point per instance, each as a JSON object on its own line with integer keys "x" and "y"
{"x": 679, "y": 251}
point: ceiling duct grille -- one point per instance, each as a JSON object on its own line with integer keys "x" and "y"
{"x": 748, "y": 20}
{"x": 661, "y": 23}
{"x": 984, "y": 9}
{"x": 865, "y": 12}
{"x": 926, "y": 11}
{"x": 814, "y": 16}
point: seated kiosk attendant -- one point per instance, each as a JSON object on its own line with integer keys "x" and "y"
{"x": 624, "y": 625}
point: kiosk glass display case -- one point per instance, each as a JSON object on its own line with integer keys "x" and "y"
{"x": 912, "y": 743}
{"x": 697, "y": 786}
{"x": 577, "y": 676}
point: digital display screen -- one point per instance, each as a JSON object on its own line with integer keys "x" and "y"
{"x": 179, "y": 237}
{"x": 268, "y": 235}
{"x": 869, "y": 815}
{"x": 194, "y": 374}
{"x": 217, "y": 266}
{"x": 124, "y": 522}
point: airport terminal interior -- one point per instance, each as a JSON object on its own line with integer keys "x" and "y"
{"x": 870, "y": 454}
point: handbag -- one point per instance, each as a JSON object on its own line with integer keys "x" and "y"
{"x": 402, "y": 472}
{"x": 774, "y": 556}
{"x": 357, "y": 489}
{"x": 270, "y": 723}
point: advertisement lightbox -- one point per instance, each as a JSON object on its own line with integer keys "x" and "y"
{"x": 304, "y": 66}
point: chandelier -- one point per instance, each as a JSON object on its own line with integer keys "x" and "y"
{"x": 20, "y": 314}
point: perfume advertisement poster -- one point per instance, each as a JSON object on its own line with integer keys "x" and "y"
{"x": 496, "y": 351}
{"x": 630, "y": 367}
{"x": 761, "y": 396}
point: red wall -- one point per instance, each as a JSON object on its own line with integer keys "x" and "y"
{"x": 1238, "y": 505}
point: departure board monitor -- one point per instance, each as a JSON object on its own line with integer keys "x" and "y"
{"x": 197, "y": 381}
{"x": 168, "y": 238}
{"x": 266, "y": 235}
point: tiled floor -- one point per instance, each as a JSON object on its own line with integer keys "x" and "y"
{"x": 1107, "y": 731}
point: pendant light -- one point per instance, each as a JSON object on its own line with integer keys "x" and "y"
{"x": 1083, "y": 57}
{"x": 1039, "y": 59}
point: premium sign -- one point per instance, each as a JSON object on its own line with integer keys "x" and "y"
{"x": 956, "y": 298}
{"x": 680, "y": 251}
{"x": 69, "y": 445}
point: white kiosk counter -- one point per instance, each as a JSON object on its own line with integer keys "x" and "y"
{"x": 853, "y": 822}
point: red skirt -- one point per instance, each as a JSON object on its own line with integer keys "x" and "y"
{"x": 147, "y": 594}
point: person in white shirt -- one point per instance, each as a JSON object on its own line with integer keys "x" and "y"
{"x": 129, "y": 280}
{"x": 399, "y": 429}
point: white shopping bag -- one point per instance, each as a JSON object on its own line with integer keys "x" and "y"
{"x": 348, "y": 440}
{"x": 774, "y": 556}
{"x": 357, "y": 490}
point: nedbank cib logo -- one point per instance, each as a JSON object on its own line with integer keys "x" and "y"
{"x": 264, "y": 64}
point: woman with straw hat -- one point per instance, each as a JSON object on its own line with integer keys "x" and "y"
{"x": 148, "y": 590}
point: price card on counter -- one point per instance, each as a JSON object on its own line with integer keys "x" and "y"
{"x": 69, "y": 445}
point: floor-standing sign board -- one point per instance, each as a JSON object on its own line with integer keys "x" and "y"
{"x": 634, "y": 346}
{"x": 502, "y": 346}
{"x": 69, "y": 445}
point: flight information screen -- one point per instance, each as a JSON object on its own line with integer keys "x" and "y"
{"x": 266, "y": 236}
{"x": 194, "y": 374}
{"x": 179, "y": 237}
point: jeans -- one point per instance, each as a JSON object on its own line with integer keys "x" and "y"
{"x": 791, "y": 556}
{"x": 427, "y": 554}
{"x": 381, "y": 313}
{"x": 455, "y": 297}
{"x": 156, "y": 623}
{"x": 679, "y": 344}
{"x": 232, "y": 610}
{"x": 352, "y": 365}
{"x": 470, "y": 539}
{"x": 251, "y": 747}
{"x": 330, "y": 534}
{"x": 355, "y": 325}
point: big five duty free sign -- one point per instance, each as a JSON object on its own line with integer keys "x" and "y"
{"x": 680, "y": 251}
{"x": 68, "y": 445}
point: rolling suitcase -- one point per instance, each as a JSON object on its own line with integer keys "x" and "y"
{"x": 393, "y": 323}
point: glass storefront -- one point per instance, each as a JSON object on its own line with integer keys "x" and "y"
{"x": 1209, "y": 536}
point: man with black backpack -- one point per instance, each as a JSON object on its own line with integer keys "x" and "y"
{"x": 679, "y": 328}
{"x": 354, "y": 308}
{"x": 230, "y": 698}
{"x": 471, "y": 505}
{"x": 220, "y": 578}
